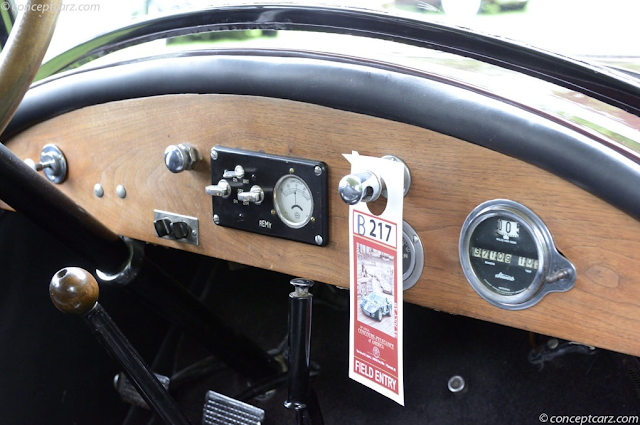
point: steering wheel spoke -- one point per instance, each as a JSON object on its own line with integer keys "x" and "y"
{"x": 23, "y": 53}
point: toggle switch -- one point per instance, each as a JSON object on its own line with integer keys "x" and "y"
{"x": 254, "y": 195}
{"x": 222, "y": 189}
{"x": 237, "y": 172}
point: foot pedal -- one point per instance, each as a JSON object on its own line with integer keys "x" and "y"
{"x": 223, "y": 410}
{"x": 128, "y": 392}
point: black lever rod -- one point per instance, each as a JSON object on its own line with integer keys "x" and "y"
{"x": 75, "y": 291}
{"x": 301, "y": 398}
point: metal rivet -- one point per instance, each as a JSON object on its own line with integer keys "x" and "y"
{"x": 319, "y": 240}
{"x": 214, "y": 154}
{"x": 318, "y": 170}
{"x": 98, "y": 190}
{"x": 121, "y": 191}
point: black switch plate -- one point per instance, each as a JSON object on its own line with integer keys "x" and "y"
{"x": 264, "y": 170}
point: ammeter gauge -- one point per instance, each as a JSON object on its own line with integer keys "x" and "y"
{"x": 509, "y": 258}
{"x": 293, "y": 201}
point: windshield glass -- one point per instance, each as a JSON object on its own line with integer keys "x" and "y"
{"x": 592, "y": 29}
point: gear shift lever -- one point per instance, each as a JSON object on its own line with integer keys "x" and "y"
{"x": 75, "y": 291}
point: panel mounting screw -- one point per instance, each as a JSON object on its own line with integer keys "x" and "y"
{"x": 216, "y": 219}
{"x": 319, "y": 240}
{"x": 318, "y": 170}
{"x": 214, "y": 154}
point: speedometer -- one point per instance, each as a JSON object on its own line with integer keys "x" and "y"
{"x": 509, "y": 258}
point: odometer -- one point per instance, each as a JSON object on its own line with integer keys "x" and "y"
{"x": 508, "y": 256}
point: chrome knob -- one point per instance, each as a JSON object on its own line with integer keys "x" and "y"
{"x": 52, "y": 162}
{"x": 360, "y": 187}
{"x": 222, "y": 189}
{"x": 255, "y": 195}
{"x": 179, "y": 158}
{"x": 237, "y": 172}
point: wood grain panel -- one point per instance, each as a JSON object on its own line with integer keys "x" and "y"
{"x": 123, "y": 143}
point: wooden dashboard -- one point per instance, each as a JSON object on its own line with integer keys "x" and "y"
{"x": 122, "y": 143}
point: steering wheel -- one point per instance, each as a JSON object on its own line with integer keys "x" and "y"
{"x": 22, "y": 54}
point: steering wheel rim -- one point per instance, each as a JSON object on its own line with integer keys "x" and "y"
{"x": 22, "y": 54}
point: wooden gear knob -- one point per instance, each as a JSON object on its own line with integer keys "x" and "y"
{"x": 73, "y": 290}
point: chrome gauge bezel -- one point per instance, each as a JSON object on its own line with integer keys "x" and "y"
{"x": 416, "y": 256}
{"x": 277, "y": 206}
{"x": 550, "y": 261}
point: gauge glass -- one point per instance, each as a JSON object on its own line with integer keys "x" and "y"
{"x": 293, "y": 201}
{"x": 504, "y": 255}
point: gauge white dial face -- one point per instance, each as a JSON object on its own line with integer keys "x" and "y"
{"x": 293, "y": 201}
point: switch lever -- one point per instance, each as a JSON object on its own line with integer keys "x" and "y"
{"x": 237, "y": 172}
{"x": 254, "y": 195}
{"x": 222, "y": 189}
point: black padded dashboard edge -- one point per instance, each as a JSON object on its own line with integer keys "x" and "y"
{"x": 357, "y": 87}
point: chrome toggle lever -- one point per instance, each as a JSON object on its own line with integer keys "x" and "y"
{"x": 237, "y": 172}
{"x": 52, "y": 162}
{"x": 360, "y": 187}
{"x": 222, "y": 189}
{"x": 254, "y": 195}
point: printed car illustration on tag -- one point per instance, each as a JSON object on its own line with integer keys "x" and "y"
{"x": 376, "y": 306}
